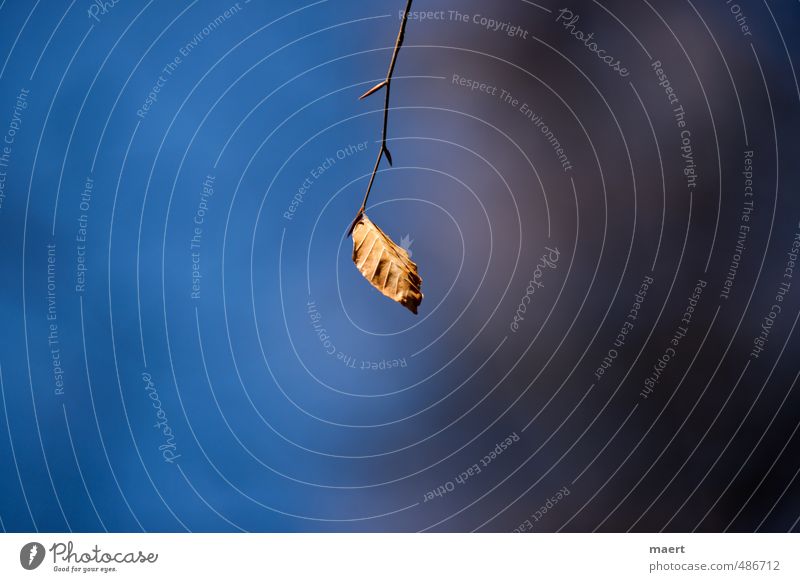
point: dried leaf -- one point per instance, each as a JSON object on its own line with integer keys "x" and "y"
{"x": 385, "y": 265}
{"x": 380, "y": 85}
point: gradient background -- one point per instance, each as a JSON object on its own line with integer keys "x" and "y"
{"x": 275, "y": 434}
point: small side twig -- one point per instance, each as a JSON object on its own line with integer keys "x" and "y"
{"x": 385, "y": 84}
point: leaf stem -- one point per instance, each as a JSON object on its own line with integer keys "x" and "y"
{"x": 386, "y": 84}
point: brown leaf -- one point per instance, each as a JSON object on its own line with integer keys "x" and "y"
{"x": 385, "y": 265}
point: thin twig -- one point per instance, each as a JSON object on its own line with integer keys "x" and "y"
{"x": 385, "y": 84}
